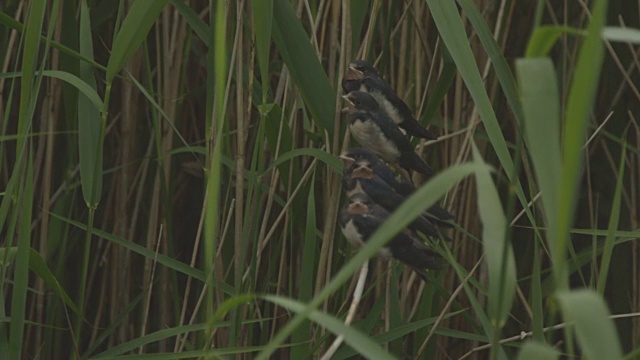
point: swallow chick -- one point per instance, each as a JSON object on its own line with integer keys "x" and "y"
{"x": 357, "y": 161}
{"x": 360, "y": 218}
{"x": 362, "y": 76}
{"x": 375, "y": 131}
{"x": 364, "y": 156}
{"x": 361, "y": 178}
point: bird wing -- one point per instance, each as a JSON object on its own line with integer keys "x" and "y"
{"x": 414, "y": 253}
{"x": 387, "y": 91}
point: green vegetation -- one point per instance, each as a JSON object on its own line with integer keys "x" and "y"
{"x": 170, "y": 185}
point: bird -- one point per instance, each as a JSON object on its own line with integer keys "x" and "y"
{"x": 360, "y": 218}
{"x": 362, "y": 179}
{"x": 375, "y": 131}
{"x": 366, "y": 172}
{"x": 362, "y": 76}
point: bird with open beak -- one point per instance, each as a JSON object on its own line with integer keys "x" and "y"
{"x": 374, "y": 130}
{"x": 362, "y": 76}
{"x": 360, "y": 218}
{"x": 365, "y": 172}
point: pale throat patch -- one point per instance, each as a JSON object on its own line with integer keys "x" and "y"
{"x": 353, "y": 236}
{"x": 369, "y": 136}
{"x": 351, "y": 233}
{"x": 387, "y": 106}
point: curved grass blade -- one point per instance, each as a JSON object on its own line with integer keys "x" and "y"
{"x": 544, "y": 37}
{"x": 135, "y": 27}
{"x": 39, "y": 266}
{"x": 447, "y": 19}
{"x": 394, "y": 334}
{"x": 537, "y": 351}
{"x": 321, "y": 155}
{"x": 162, "y": 259}
{"x": 422, "y": 199}
{"x": 595, "y": 331}
{"x": 70, "y": 79}
{"x": 148, "y": 339}
{"x": 359, "y": 341}
{"x": 615, "y": 33}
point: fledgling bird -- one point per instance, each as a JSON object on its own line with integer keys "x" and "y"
{"x": 383, "y": 186}
{"x": 360, "y": 218}
{"x": 362, "y": 76}
{"x": 375, "y": 131}
{"x": 360, "y": 178}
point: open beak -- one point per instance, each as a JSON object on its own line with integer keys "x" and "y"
{"x": 352, "y": 68}
{"x": 350, "y": 105}
{"x": 363, "y": 171}
{"x": 347, "y": 160}
{"x": 358, "y": 208}
{"x": 353, "y": 74}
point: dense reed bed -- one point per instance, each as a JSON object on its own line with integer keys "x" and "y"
{"x": 171, "y": 183}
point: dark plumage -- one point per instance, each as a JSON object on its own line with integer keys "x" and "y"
{"x": 375, "y": 131}
{"x": 360, "y": 219}
{"x": 383, "y": 186}
{"x": 362, "y": 76}
{"x": 362, "y": 179}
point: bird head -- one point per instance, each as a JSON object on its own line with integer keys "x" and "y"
{"x": 364, "y": 68}
{"x": 358, "y": 154}
{"x": 358, "y": 204}
{"x": 357, "y": 168}
{"x": 358, "y": 100}
{"x": 362, "y": 170}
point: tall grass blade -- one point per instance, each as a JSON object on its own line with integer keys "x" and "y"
{"x": 218, "y": 65}
{"x": 450, "y": 27}
{"x": 89, "y": 119}
{"x": 503, "y": 71}
{"x": 541, "y": 102}
{"x": 23, "y": 174}
{"x": 300, "y": 57}
{"x": 21, "y": 269}
{"x": 447, "y": 76}
{"x": 496, "y": 247}
{"x": 307, "y": 275}
{"x": 614, "y": 220}
{"x": 262, "y": 11}
{"x": 579, "y": 105}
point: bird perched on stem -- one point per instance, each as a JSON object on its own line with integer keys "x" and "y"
{"x": 362, "y": 76}
{"x": 365, "y": 172}
{"x": 360, "y": 218}
{"x": 375, "y": 131}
